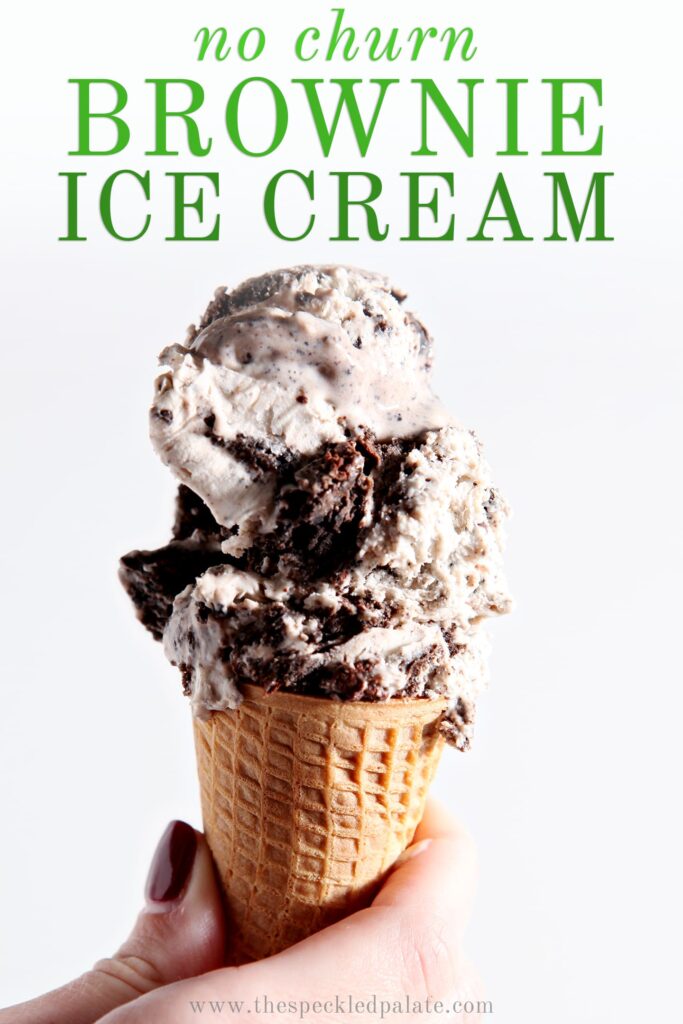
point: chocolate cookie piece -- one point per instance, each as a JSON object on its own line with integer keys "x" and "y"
{"x": 152, "y": 579}
{"x": 457, "y": 725}
{"x": 320, "y": 508}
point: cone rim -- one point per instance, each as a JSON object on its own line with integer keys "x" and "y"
{"x": 303, "y": 701}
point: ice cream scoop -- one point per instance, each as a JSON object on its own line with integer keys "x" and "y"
{"x": 283, "y": 365}
{"x": 337, "y": 534}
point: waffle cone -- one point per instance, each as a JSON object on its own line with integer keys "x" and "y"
{"x": 307, "y": 803}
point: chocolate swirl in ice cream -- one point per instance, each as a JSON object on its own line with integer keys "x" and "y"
{"x": 337, "y": 532}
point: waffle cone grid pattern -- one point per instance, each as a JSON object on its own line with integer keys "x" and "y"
{"x": 307, "y": 803}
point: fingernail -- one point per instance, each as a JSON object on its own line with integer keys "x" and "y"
{"x": 172, "y": 863}
{"x": 412, "y": 851}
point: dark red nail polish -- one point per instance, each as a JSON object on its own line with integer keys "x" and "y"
{"x": 172, "y": 863}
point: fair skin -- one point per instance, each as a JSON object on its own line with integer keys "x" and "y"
{"x": 408, "y": 941}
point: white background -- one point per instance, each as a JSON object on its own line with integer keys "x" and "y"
{"x": 564, "y": 357}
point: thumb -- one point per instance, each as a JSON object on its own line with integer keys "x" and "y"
{"x": 180, "y": 933}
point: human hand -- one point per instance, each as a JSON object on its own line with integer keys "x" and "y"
{"x": 406, "y": 945}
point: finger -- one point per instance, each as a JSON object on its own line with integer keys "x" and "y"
{"x": 407, "y": 942}
{"x": 180, "y": 933}
{"x": 437, "y": 873}
{"x": 439, "y": 823}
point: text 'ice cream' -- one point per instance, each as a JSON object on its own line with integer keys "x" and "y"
{"x": 337, "y": 533}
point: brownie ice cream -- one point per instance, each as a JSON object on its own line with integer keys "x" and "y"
{"x": 337, "y": 532}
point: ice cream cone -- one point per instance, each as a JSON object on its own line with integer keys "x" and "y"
{"x": 307, "y": 803}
